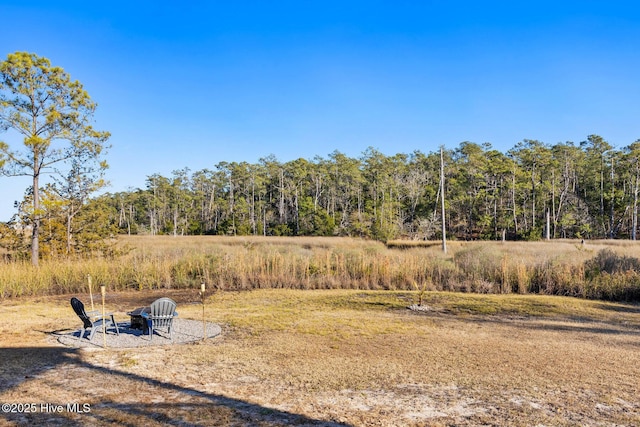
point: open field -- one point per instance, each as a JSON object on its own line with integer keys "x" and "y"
{"x": 595, "y": 269}
{"x": 335, "y": 358}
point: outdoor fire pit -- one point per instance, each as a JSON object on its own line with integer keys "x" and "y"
{"x": 137, "y": 321}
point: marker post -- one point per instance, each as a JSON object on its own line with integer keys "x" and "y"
{"x": 90, "y": 291}
{"x": 203, "y": 289}
{"x": 104, "y": 326}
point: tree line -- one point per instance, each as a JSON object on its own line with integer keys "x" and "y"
{"x": 535, "y": 190}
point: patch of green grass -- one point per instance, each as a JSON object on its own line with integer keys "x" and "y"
{"x": 367, "y": 300}
{"x": 348, "y": 310}
{"x": 531, "y": 306}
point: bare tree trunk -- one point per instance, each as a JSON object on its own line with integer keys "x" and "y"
{"x": 533, "y": 197}
{"x": 130, "y": 220}
{"x": 613, "y": 195}
{"x": 254, "y": 227}
{"x": 295, "y": 203}
{"x": 548, "y": 226}
{"x": 634, "y": 220}
{"x": 513, "y": 202}
{"x": 264, "y": 220}
{"x": 444, "y": 228}
{"x": 69, "y": 218}
{"x": 35, "y": 232}
{"x": 553, "y": 201}
{"x": 281, "y": 211}
{"x": 175, "y": 221}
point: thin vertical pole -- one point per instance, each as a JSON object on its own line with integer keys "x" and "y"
{"x": 444, "y": 228}
{"x": 547, "y": 234}
{"x": 634, "y": 219}
{"x": 104, "y": 326}
{"x": 90, "y": 291}
{"x": 204, "y": 324}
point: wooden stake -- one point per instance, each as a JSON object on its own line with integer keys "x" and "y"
{"x": 204, "y": 324}
{"x": 90, "y": 291}
{"x": 104, "y": 327}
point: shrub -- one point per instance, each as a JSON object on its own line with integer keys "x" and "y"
{"x": 614, "y": 287}
{"x": 612, "y": 277}
{"x": 608, "y": 261}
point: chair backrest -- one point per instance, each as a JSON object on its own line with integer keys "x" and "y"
{"x": 78, "y": 307}
{"x": 162, "y": 308}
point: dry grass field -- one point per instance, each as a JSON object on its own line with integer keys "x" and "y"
{"x": 333, "y": 358}
{"x": 241, "y": 263}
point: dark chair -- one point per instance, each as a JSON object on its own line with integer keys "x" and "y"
{"x": 92, "y": 319}
{"x": 160, "y": 316}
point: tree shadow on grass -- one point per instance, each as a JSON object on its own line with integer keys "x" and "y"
{"x": 568, "y": 324}
{"x": 620, "y": 308}
{"x": 578, "y": 325}
{"x": 42, "y": 384}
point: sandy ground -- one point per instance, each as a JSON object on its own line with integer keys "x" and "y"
{"x": 403, "y": 368}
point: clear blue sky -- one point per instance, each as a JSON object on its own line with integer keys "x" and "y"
{"x": 190, "y": 84}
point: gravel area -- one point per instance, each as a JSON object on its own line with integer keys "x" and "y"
{"x": 184, "y": 331}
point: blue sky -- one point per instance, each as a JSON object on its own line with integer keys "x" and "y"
{"x": 194, "y": 84}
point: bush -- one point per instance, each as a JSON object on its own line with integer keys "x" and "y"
{"x": 612, "y": 277}
{"x": 614, "y": 287}
{"x": 608, "y": 261}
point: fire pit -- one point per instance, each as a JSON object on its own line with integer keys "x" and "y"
{"x": 137, "y": 321}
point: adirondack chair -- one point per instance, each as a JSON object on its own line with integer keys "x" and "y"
{"x": 93, "y": 319}
{"x": 160, "y": 316}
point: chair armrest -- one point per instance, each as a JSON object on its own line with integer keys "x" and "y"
{"x": 98, "y": 315}
{"x": 148, "y": 315}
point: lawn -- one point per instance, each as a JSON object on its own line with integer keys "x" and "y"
{"x": 335, "y": 358}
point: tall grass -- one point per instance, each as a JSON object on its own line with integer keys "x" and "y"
{"x": 239, "y": 263}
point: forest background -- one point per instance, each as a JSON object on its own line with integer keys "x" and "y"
{"x": 567, "y": 191}
{"x": 534, "y": 191}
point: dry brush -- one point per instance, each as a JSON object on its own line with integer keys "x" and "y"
{"x": 603, "y": 270}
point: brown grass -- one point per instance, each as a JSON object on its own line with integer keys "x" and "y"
{"x": 337, "y": 357}
{"x": 241, "y": 263}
